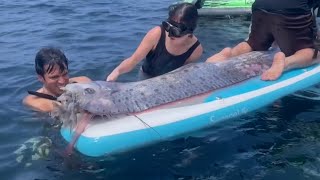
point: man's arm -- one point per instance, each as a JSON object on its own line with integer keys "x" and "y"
{"x": 80, "y": 79}
{"x": 38, "y": 104}
{"x": 47, "y": 105}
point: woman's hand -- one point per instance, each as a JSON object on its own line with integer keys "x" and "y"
{"x": 113, "y": 76}
{"x": 149, "y": 41}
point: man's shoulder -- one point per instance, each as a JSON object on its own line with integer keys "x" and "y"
{"x": 38, "y": 103}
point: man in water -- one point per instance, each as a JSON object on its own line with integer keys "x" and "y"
{"x": 52, "y": 69}
{"x": 287, "y": 22}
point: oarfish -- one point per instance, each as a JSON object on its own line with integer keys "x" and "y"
{"x": 114, "y": 98}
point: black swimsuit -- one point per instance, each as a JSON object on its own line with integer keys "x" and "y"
{"x": 160, "y": 61}
{"x": 43, "y": 95}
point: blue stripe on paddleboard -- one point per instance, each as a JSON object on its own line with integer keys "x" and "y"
{"x": 116, "y": 143}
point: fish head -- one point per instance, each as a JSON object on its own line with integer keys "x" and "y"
{"x": 102, "y": 101}
{"x": 94, "y": 97}
{"x": 70, "y": 102}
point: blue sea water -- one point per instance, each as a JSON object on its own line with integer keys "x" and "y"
{"x": 280, "y": 141}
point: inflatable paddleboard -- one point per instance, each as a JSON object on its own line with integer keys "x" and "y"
{"x": 123, "y": 133}
{"x": 224, "y": 7}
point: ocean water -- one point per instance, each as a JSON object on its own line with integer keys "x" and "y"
{"x": 280, "y": 141}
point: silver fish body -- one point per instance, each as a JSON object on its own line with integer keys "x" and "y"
{"x": 112, "y": 98}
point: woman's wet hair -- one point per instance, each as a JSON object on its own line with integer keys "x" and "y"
{"x": 185, "y": 13}
{"x": 50, "y": 57}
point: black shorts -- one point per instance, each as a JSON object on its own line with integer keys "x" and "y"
{"x": 291, "y": 33}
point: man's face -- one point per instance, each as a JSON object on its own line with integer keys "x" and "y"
{"x": 55, "y": 80}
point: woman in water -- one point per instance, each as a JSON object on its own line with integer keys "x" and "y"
{"x": 168, "y": 46}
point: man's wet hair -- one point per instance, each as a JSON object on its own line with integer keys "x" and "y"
{"x": 51, "y": 57}
{"x": 186, "y": 13}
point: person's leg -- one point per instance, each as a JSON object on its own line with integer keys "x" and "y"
{"x": 241, "y": 48}
{"x": 276, "y": 69}
{"x": 220, "y": 56}
{"x": 226, "y": 53}
{"x": 295, "y": 38}
{"x": 260, "y": 39}
{"x": 300, "y": 59}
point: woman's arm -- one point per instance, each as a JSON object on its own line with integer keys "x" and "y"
{"x": 148, "y": 43}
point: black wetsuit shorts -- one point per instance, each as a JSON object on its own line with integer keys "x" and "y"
{"x": 290, "y": 32}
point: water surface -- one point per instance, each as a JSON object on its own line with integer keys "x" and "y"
{"x": 280, "y": 141}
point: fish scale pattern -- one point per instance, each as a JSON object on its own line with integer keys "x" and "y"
{"x": 187, "y": 81}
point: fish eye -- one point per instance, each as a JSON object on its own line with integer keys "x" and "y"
{"x": 107, "y": 89}
{"x": 89, "y": 91}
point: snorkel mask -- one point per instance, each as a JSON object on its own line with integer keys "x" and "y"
{"x": 176, "y": 29}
